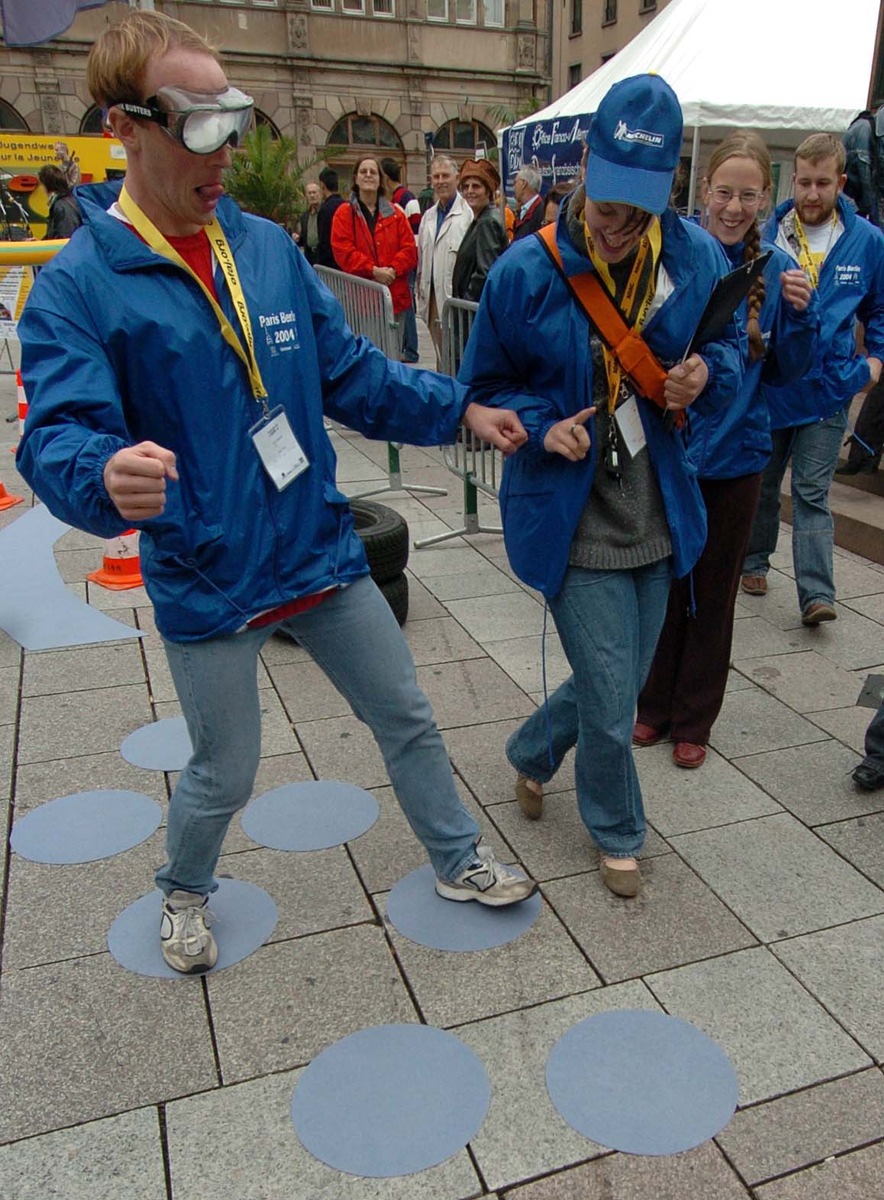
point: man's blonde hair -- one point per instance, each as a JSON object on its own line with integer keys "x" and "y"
{"x": 118, "y": 61}
{"x": 822, "y": 145}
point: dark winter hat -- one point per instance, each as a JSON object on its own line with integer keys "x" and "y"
{"x": 482, "y": 170}
{"x": 635, "y": 144}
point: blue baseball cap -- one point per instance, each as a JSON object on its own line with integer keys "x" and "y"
{"x": 635, "y": 144}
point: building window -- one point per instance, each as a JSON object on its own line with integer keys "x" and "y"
{"x": 9, "y": 118}
{"x": 576, "y": 17}
{"x": 646, "y": 6}
{"x": 575, "y": 74}
{"x": 328, "y": 5}
{"x": 494, "y": 12}
{"x": 465, "y": 12}
{"x": 607, "y": 57}
{"x": 364, "y": 132}
{"x": 437, "y": 10}
{"x": 465, "y": 135}
{"x": 383, "y": 8}
{"x": 610, "y": 12}
{"x": 353, "y": 6}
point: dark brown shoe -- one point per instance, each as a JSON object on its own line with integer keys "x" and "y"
{"x": 817, "y": 613}
{"x": 621, "y": 883}
{"x": 688, "y": 755}
{"x": 646, "y": 735}
{"x": 530, "y": 802}
{"x": 754, "y": 585}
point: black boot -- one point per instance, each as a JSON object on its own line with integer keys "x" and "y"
{"x": 867, "y": 465}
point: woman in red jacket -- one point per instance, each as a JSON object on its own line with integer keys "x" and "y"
{"x": 371, "y": 237}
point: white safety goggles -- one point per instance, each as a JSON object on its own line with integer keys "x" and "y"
{"x": 199, "y": 121}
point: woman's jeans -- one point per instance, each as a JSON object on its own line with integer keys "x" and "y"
{"x": 608, "y": 623}
{"x": 353, "y": 636}
{"x": 813, "y": 450}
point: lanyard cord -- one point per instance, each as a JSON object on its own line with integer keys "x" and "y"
{"x": 222, "y": 252}
{"x": 805, "y": 256}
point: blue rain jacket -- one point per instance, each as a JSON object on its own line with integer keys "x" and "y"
{"x": 529, "y": 350}
{"x": 735, "y": 440}
{"x": 121, "y": 346}
{"x": 851, "y": 288}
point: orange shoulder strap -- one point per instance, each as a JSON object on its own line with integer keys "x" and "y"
{"x": 629, "y": 348}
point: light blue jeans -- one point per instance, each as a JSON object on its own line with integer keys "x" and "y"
{"x": 813, "y": 450}
{"x": 354, "y": 638}
{"x": 608, "y": 623}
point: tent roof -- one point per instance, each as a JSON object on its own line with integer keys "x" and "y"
{"x": 767, "y": 64}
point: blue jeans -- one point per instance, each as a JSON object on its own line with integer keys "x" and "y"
{"x": 813, "y": 450}
{"x": 608, "y": 623}
{"x": 354, "y": 638}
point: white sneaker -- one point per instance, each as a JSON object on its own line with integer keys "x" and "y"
{"x": 487, "y": 881}
{"x": 185, "y": 940}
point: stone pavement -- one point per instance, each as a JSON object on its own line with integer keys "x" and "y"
{"x": 762, "y": 919}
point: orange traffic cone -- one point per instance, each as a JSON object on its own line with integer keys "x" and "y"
{"x": 120, "y": 568}
{"x": 22, "y": 402}
{"x": 7, "y": 501}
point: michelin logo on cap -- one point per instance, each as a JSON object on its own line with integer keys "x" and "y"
{"x": 624, "y": 134}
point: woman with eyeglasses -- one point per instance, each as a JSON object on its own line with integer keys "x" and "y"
{"x": 371, "y": 237}
{"x": 485, "y": 240}
{"x": 729, "y": 449}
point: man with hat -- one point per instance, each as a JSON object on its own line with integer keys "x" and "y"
{"x": 179, "y": 357}
{"x": 599, "y": 508}
{"x": 486, "y": 239}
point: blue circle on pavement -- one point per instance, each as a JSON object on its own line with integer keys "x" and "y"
{"x": 310, "y": 816}
{"x": 417, "y": 912}
{"x": 161, "y": 746}
{"x": 244, "y": 916}
{"x": 391, "y": 1100}
{"x": 86, "y": 826}
{"x": 642, "y": 1082}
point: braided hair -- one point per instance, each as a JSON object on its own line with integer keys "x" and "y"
{"x": 745, "y": 144}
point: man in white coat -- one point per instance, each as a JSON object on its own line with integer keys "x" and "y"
{"x": 441, "y": 232}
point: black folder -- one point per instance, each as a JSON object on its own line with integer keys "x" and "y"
{"x": 726, "y": 298}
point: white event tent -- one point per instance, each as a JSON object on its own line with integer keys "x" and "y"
{"x": 784, "y": 67}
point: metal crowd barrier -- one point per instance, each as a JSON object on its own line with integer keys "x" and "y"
{"x": 475, "y": 462}
{"x": 368, "y": 308}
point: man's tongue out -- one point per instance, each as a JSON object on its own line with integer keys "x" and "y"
{"x": 211, "y": 192}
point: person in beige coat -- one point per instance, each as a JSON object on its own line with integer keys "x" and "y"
{"x": 441, "y": 232}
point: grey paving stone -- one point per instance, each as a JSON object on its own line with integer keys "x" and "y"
{"x": 389, "y": 850}
{"x": 854, "y": 576}
{"x": 463, "y": 693}
{"x": 805, "y": 681}
{"x": 679, "y": 801}
{"x": 813, "y": 782}
{"x": 751, "y": 722}
{"x": 307, "y": 693}
{"x": 7, "y": 746}
{"x": 8, "y": 694}
{"x": 513, "y": 615}
{"x": 343, "y": 748}
{"x": 121, "y": 604}
{"x": 259, "y": 1156}
{"x": 675, "y": 919}
{"x": 860, "y": 841}
{"x": 479, "y": 756}
{"x": 848, "y": 725}
{"x": 776, "y": 1035}
{"x": 857, "y": 1176}
{"x": 72, "y": 724}
{"x": 422, "y": 604}
{"x": 844, "y": 969}
{"x": 85, "y": 1039}
{"x": 118, "y": 1157}
{"x": 313, "y": 892}
{"x": 778, "y": 877}
{"x": 523, "y": 1134}
{"x": 440, "y": 640}
{"x": 852, "y": 642}
{"x": 37, "y": 783}
{"x": 277, "y": 735}
{"x": 10, "y": 651}
{"x": 452, "y": 988}
{"x": 790, "y": 1133}
{"x": 48, "y": 904}
{"x": 82, "y": 668}
{"x": 522, "y": 659}
{"x": 486, "y": 581}
{"x": 754, "y": 636}
{"x": 700, "y": 1174}
{"x": 278, "y": 1008}
{"x": 558, "y": 844}
{"x": 868, "y": 606}
{"x": 451, "y": 558}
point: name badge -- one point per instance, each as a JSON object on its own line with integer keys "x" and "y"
{"x": 629, "y": 423}
{"x": 278, "y": 448}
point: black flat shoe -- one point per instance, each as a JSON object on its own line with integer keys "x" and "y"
{"x": 858, "y": 466}
{"x": 868, "y": 778}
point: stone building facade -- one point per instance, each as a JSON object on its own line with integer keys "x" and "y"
{"x": 345, "y": 77}
{"x": 587, "y": 33}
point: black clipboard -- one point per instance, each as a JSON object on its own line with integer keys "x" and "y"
{"x": 726, "y": 298}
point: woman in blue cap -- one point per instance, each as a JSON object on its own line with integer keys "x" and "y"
{"x": 600, "y": 508}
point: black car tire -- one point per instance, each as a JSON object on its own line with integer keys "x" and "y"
{"x": 384, "y": 535}
{"x": 396, "y": 594}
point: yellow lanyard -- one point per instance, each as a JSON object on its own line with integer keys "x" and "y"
{"x": 222, "y": 252}
{"x": 806, "y": 259}
{"x": 633, "y": 307}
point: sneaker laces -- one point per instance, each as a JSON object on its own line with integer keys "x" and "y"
{"x": 195, "y": 921}
{"x": 496, "y": 871}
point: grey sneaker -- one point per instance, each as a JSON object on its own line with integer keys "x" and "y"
{"x": 487, "y": 881}
{"x": 185, "y": 940}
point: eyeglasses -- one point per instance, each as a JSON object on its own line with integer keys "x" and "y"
{"x": 201, "y": 122}
{"x": 749, "y": 197}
